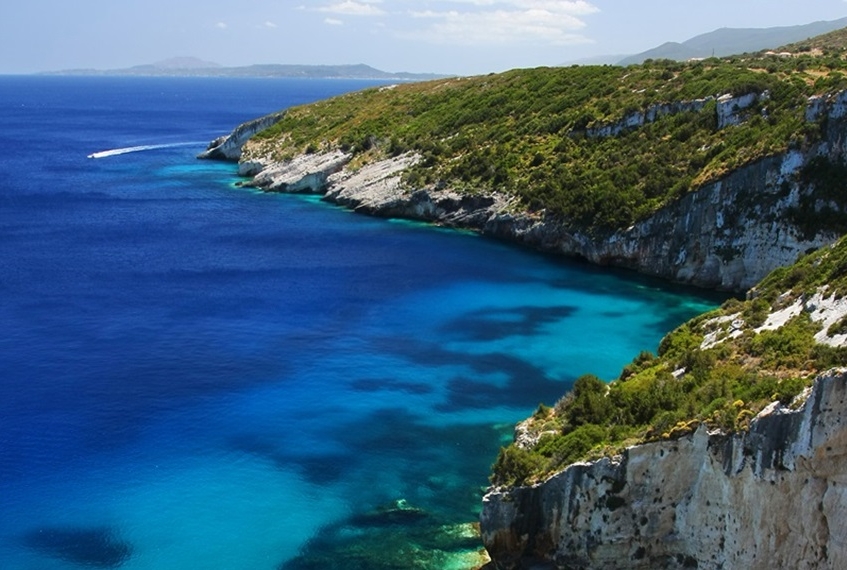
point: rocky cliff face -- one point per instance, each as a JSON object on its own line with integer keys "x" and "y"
{"x": 229, "y": 147}
{"x": 730, "y": 110}
{"x": 773, "y": 497}
{"x": 727, "y": 235}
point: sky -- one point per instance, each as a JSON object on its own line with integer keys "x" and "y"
{"x": 463, "y": 37}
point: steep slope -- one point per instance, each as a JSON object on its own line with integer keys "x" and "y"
{"x": 702, "y": 173}
{"x": 770, "y": 497}
{"x": 742, "y": 427}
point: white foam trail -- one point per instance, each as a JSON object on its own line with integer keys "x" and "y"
{"x": 128, "y": 149}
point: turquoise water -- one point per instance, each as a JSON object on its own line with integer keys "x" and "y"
{"x": 194, "y": 375}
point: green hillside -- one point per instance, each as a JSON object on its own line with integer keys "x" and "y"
{"x": 528, "y": 133}
{"x": 720, "y": 369}
{"x": 538, "y": 136}
{"x": 831, "y": 44}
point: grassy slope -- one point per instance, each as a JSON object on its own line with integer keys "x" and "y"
{"x": 523, "y": 132}
{"x": 832, "y": 44}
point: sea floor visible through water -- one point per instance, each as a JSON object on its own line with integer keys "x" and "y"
{"x": 195, "y": 375}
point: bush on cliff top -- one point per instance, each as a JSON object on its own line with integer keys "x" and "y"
{"x": 722, "y": 384}
{"x": 524, "y": 132}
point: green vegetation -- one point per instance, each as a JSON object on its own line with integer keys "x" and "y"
{"x": 527, "y": 132}
{"x": 535, "y": 135}
{"x": 723, "y": 383}
{"x": 833, "y": 44}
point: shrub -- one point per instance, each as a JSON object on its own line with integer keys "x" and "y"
{"x": 590, "y": 404}
{"x": 788, "y": 389}
{"x": 515, "y": 465}
{"x": 570, "y": 447}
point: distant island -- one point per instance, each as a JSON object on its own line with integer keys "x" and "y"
{"x": 194, "y": 67}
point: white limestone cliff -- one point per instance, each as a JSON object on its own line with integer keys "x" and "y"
{"x": 229, "y": 147}
{"x": 726, "y": 235}
{"x": 307, "y": 173}
{"x": 773, "y": 497}
{"x": 729, "y": 111}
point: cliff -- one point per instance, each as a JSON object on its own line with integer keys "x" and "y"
{"x": 229, "y": 147}
{"x": 727, "y": 234}
{"x": 726, "y": 450}
{"x": 771, "y": 497}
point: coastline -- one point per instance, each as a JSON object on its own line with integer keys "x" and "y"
{"x": 722, "y": 236}
{"x": 687, "y": 242}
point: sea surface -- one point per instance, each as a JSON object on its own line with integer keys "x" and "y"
{"x": 194, "y": 375}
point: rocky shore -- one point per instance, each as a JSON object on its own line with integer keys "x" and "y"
{"x": 726, "y": 235}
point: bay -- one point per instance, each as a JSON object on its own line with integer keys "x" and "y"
{"x": 194, "y": 375}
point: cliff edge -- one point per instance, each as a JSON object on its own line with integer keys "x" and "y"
{"x": 228, "y": 147}
{"x": 772, "y": 497}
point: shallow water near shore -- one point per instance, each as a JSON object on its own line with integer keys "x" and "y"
{"x": 195, "y": 375}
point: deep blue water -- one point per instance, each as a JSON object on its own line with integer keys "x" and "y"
{"x": 194, "y": 375}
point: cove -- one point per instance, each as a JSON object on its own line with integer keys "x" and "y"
{"x": 197, "y": 375}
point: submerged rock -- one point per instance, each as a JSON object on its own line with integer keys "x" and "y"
{"x": 398, "y": 512}
{"x": 395, "y": 536}
{"x": 90, "y": 547}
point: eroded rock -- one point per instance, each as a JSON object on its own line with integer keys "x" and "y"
{"x": 773, "y": 497}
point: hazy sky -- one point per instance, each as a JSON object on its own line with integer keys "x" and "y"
{"x": 446, "y": 36}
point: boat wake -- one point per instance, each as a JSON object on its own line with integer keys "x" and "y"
{"x": 128, "y": 149}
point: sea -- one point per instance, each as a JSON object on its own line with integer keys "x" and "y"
{"x": 195, "y": 375}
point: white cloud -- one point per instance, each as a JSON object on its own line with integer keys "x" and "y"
{"x": 472, "y": 22}
{"x": 351, "y": 8}
{"x": 492, "y": 22}
{"x": 570, "y": 6}
{"x": 221, "y": 25}
{"x": 270, "y": 25}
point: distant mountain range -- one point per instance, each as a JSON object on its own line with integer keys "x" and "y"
{"x": 719, "y": 43}
{"x": 194, "y": 67}
{"x": 732, "y": 41}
